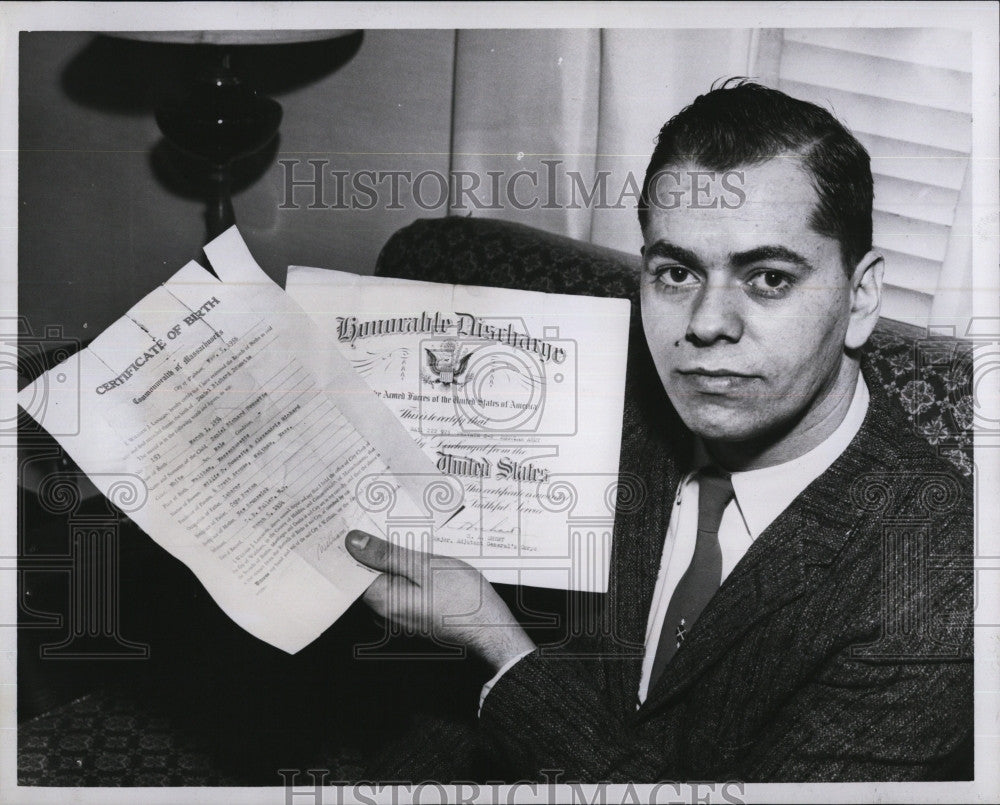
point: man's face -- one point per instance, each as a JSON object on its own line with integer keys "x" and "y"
{"x": 745, "y": 310}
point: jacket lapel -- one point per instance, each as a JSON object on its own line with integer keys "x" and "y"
{"x": 639, "y": 547}
{"x": 654, "y": 443}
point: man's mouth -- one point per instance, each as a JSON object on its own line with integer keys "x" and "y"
{"x": 715, "y": 381}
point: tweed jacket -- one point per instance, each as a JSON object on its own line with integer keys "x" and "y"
{"x": 839, "y": 648}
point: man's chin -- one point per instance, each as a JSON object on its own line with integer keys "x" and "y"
{"x": 725, "y": 432}
{"x": 727, "y": 424}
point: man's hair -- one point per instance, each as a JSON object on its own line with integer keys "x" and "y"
{"x": 742, "y": 123}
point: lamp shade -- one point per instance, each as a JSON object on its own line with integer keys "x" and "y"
{"x": 248, "y": 37}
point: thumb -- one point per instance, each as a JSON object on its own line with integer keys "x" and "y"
{"x": 381, "y": 555}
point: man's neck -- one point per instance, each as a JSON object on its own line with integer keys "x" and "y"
{"x": 796, "y": 438}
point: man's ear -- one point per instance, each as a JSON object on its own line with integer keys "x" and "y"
{"x": 866, "y": 299}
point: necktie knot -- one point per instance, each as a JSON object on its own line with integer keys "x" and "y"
{"x": 715, "y": 490}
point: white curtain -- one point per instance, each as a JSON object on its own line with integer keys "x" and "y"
{"x": 577, "y": 110}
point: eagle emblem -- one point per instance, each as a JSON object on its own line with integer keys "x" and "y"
{"x": 447, "y": 364}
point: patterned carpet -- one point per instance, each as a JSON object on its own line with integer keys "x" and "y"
{"x": 101, "y": 740}
{"x": 107, "y": 739}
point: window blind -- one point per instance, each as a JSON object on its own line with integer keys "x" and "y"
{"x": 906, "y": 94}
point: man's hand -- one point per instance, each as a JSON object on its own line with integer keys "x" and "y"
{"x": 440, "y": 598}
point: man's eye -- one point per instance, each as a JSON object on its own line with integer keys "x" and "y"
{"x": 770, "y": 283}
{"x": 674, "y": 276}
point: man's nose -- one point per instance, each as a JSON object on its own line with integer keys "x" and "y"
{"x": 716, "y": 315}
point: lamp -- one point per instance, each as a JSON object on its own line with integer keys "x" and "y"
{"x": 218, "y": 115}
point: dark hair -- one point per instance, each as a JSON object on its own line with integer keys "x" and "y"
{"x": 743, "y": 123}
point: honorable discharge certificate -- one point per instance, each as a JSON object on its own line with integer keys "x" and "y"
{"x": 516, "y": 395}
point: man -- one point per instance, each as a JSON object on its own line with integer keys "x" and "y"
{"x": 771, "y": 578}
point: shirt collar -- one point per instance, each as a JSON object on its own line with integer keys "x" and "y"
{"x": 761, "y": 495}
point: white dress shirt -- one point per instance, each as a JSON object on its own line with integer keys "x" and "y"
{"x": 759, "y": 497}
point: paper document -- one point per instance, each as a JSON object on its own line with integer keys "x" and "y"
{"x": 217, "y": 415}
{"x": 516, "y": 395}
